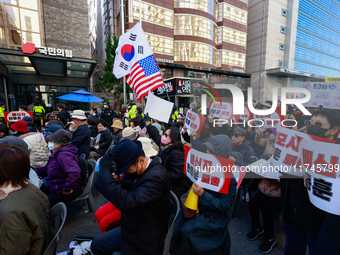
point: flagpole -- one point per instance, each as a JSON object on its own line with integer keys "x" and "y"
{"x": 122, "y": 21}
{"x": 140, "y": 13}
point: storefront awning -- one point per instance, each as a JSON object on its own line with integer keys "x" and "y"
{"x": 36, "y": 63}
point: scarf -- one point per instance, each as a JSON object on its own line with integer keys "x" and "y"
{"x": 165, "y": 147}
{"x": 98, "y": 136}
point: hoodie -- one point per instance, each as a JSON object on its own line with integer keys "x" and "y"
{"x": 62, "y": 170}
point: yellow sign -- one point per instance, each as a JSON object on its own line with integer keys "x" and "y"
{"x": 332, "y": 79}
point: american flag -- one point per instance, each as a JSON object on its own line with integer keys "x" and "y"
{"x": 145, "y": 76}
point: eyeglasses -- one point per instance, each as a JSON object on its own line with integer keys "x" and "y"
{"x": 236, "y": 135}
{"x": 316, "y": 124}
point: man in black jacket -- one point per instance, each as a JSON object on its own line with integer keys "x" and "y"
{"x": 107, "y": 114}
{"x": 144, "y": 206}
{"x": 63, "y": 113}
{"x": 81, "y": 137}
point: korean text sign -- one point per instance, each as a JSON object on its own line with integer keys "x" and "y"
{"x": 194, "y": 121}
{"x": 14, "y": 116}
{"x": 321, "y": 165}
{"x": 207, "y": 170}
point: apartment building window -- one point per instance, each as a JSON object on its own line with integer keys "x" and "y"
{"x": 194, "y": 52}
{"x": 281, "y": 46}
{"x": 283, "y": 30}
{"x": 284, "y": 12}
{"x": 194, "y": 25}
{"x": 232, "y": 13}
{"x": 231, "y": 58}
{"x": 153, "y": 14}
{"x": 160, "y": 44}
{"x": 231, "y": 36}
{"x": 208, "y": 6}
{"x": 280, "y": 63}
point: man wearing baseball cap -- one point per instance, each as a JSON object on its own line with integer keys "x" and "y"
{"x": 144, "y": 207}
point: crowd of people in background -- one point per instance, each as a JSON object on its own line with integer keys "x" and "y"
{"x": 141, "y": 160}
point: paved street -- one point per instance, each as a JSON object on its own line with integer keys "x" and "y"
{"x": 79, "y": 222}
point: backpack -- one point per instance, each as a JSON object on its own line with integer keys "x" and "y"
{"x": 85, "y": 170}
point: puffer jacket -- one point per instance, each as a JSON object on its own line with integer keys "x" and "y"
{"x": 247, "y": 152}
{"x": 39, "y": 152}
{"x": 104, "y": 141}
{"x": 62, "y": 170}
{"x": 25, "y": 222}
{"x": 82, "y": 140}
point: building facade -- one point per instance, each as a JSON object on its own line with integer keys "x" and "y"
{"x": 201, "y": 40}
{"x": 291, "y": 42}
{"x": 44, "y": 51}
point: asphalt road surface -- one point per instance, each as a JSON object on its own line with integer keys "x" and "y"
{"x": 80, "y": 222}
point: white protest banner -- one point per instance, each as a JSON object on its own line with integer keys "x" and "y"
{"x": 210, "y": 172}
{"x": 286, "y": 157}
{"x": 321, "y": 165}
{"x": 224, "y": 111}
{"x": 14, "y": 116}
{"x": 194, "y": 121}
{"x": 157, "y": 108}
{"x": 326, "y": 94}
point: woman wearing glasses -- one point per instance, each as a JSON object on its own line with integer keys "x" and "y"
{"x": 302, "y": 220}
{"x": 172, "y": 155}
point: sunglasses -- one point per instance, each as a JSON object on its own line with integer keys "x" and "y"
{"x": 236, "y": 135}
{"x": 316, "y": 124}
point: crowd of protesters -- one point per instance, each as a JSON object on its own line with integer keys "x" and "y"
{"x": 140, "y": 161}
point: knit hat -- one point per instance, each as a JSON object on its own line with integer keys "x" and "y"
{"x": 13, "y": 140}
{"x": 61, "y": 137}
{"x": 117, "y": 124}
{"x": 147, "y": 146}
{"x": 28, "y": 119}
{"x": 51, "y": 129}
{"x": 159, "y": 128}
{"x": 20, "y": 126}
{"x": 128, "y": 132}
{"x": 78, "y": 114}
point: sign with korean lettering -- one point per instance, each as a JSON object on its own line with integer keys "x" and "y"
{"x": 48, "y": 51}
{"x": 167, "y": 89}
{"x": 320, "y": 162}
{"x": 183, "y": 87}
{"x": 286, "y": 157}
{"x": 326, "y": 94}
{"x": 194, "y": 121}
{"x": 17, "y": 115}
{"x": 221, "y": 111}
{"x": 210, "y": 172}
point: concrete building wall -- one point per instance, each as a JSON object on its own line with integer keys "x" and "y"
{"x": 66, "y": 26}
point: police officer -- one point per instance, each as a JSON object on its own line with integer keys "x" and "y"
{"x": 2, "y": 109}
{"x": 38, "y": 114}
{"x": 107, "y": 113}
{"x": 175, "y": 114}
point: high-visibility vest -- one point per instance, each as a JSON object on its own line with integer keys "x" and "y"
{"x": 38, "y": 110}
{"x": 174, "y": 116}
{"x": 2, "y": 115}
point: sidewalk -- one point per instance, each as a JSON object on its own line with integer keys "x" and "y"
{"x": 79, "y": 222}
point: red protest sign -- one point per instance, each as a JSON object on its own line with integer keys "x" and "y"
{"x": 194, "y": 121}
{"x": 210, "y": 172}
{"x": 14, "y": 116}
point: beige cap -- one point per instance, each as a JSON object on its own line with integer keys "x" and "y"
{"x": 78, "y": 114}
{"x": 128, "y": 132}
{"x": 117, "y": 124}
{"x": 147, "y": 146}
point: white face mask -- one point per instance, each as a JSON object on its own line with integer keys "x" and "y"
{"x": 50, "y": 146}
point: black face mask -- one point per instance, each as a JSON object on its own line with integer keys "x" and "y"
{"x": 317, "y": 132}
{"x": 132, "y": 176}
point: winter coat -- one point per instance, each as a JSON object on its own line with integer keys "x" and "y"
{"x": 267, "y": 143}
{"x": 25, "y": 222}
{"x": 173, "y": 162}
{"x": 144, "y": 208}
{"x": 329, "y": 236}
{"x": 247, "y": 152}
{"x": 208, "y": 233}
{"x": 39, "y": 152}
{"x": 62, "y": 170}
{"x": 299, "y": 208}
{"x": 93, "y": 130}
{"x": 258, "y": 149}
{"x": 65, "y": 114}
{"x": 82, "y": 139}
{"x": 117, "y": 136}
{"x": 107, "y": 115}
{"x": 104, "y": 141}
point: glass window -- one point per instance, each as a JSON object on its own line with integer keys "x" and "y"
{"x": 29, "y": 20}
{"x": 32, "y": 88}
{"x": 12, "y": 17}
{"x": 71, "y": 65}
{"x": 44, "y": 88}
{"x": 62, "y": 89}
{"x": 160, "y": 44}
{"x": 10, "y": 1}
{"x": 230, "y": 58}
{"x": 232, "y": 13}
{"x": 194, "y": 52}
{"x": 13, "y": 58}
{"x": 21, "y": 68}
{"x": 14, "y": 37}
{"x": 208, "y": 6}
{"x": 30, "y": 4}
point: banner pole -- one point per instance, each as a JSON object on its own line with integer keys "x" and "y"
{"x": 140, "y": 13}
{"x": 122, "y": 21}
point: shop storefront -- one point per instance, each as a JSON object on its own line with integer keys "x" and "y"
{"x": 41, "y": 75}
